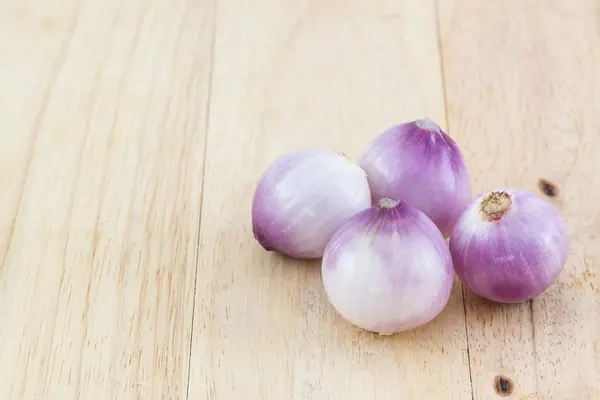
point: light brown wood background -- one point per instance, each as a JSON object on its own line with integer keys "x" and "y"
{"x": 132, "y": 133}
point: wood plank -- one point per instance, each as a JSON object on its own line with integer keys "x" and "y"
{"x": 96, "y": 290}
{"x": 522, "y": 88}
{"x": 306, "y": 74}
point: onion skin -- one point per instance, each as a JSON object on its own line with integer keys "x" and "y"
{"x": 388, "y": 270}
{"x": 303, "y": 198}
{"x": 514, "y": 253}
{"x": 418, "y": 163}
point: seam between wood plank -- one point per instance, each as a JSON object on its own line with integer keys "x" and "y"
{"x": 201, "y": 205}
{"x": 445, "y": 100}
{"x": 441, "y": 57}
{"x": 533, "y": 340}
{"x": 467, "y": 338}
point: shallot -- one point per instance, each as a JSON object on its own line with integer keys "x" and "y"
{"x": 509, "y": 245}
{"x": 388, "y": 268}
{"x": 420, "y": 164}
{"x": 303, "y": 198}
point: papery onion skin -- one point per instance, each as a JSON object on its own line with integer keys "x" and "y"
{"x": 509, "y": 245}
{"x": 303, "y": 198}
{"x": 388, "y": 269}
{"x": 420, "y": 164}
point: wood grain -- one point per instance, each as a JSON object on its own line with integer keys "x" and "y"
{"x": 29, "y": 62}
{"x": 101, "y": 172}
{"x": 308, "y": 74}
{"x": 522, "y": 88}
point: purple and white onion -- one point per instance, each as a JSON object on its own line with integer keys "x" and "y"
{"x": 303, "y": 198}
{"x": 509, "y": 245}
{"x": 388, "y": 268}
{"x": 418, "y": 163}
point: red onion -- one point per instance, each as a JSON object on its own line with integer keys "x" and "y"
{"x": 388, "y": 269}
{"x": 509, "y": 245}
{"x": 418, "y": 163}
{"x": 303, "y": 198}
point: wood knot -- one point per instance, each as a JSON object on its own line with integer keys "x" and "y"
{"x": 503, "y": 385}
{"x": 549, "y": 188}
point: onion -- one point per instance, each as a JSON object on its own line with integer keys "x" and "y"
{"x": 388, "y": 269}
{"x": 303, "y": 198}
{"x": 509, "y": 245}
{"x": 418, "y": 163}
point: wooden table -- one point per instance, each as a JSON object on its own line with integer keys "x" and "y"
{"x": 133, "y": 133}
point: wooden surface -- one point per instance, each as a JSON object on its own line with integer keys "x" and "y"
{"x": 132, "y": 135}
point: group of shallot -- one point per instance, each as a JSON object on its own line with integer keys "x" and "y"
{"x": 380, "y": 226}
